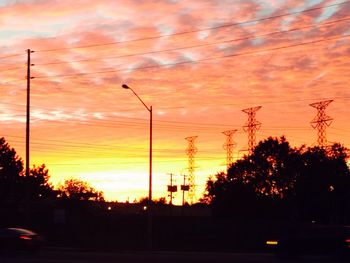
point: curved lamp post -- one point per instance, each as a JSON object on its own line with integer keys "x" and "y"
{"x": 149, "y": 228}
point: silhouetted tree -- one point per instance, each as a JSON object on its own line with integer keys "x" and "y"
{"x": 278, "y": 180}
{"x": 231, "y": 197}
{"x": 161, "y": 201}
{"x": 11, "y": 168}
{"x": 144, "y": 201}
{"x": 323, "y": 184}
{"x": 14, "y": 185}
{"x": 38, "y": 183}
{"x": 75, "y": 189}
{"x": 272, "y": 168}
{"x": 255, "y": 185}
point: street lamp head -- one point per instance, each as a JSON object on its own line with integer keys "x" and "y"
{"x": 125, "y": 86}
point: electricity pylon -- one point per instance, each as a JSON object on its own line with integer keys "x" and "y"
{"x": 228, "y": 146}
{"x": 191, "y": 151}
{"x": 321, "y": 121}
{"x": 251, "y": 127}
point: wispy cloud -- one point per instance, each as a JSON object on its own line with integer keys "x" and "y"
{"x": 198, "y": 63}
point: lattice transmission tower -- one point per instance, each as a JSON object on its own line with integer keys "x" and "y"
{"x": 229, "y": 146}
{"x": 251, "y": 127}
{"x": 321, "y": 121}
{"x": 191, "y": 151}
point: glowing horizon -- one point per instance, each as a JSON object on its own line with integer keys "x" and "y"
{"x": 197, "y": 63}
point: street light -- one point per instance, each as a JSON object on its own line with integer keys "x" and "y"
{"x": 149, "y": 228}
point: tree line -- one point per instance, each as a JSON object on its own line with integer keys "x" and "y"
{"x": 278, "y": 181}
{"x": 16, "y": 187}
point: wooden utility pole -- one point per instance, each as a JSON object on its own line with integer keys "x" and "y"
{"x": 171, "y": 189}
{"x": 28, "y": 112}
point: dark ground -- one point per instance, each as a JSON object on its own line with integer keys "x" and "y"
{"x": 100, "y": 235}
{"x": 54, "y": 255}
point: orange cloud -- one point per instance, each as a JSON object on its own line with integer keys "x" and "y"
{"x": 198, "y": 63}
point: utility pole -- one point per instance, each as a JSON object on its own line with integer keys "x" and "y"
{"x": 321, "y": 121}
{"x": 228, "y": 146}
{"x": 184, "y": 188}
{"x": 191, "y": 151}
{"x": 28, "y": 112}
{"x": 251, "y": 127}
{"x": 171, "y": 189}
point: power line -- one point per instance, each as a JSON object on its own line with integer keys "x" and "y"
{"x": 109, "y": 125}
{"x": 198, "y": 45}
{"x": 136, "y": 156}
{"x": 12, "y": 82}
{"x": 199, "y": 30}
{"x": 161, "y": 124}
{"x": 347, "y": 130}
{"x": 267, "y": 102}
{"x": 74, "y": 144}
{"x": 113, "y": 123}
{"x": 10, "y": 56}
{"x": 169, "y": 125}
{"x": 128, "y": 163}
{"x": 10, "y": 69}
{"x": 200, "y": 60}
{"x": 142, "y": 119}
{"x": 227, "y": 104}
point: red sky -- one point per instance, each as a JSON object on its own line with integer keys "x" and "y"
{"x": 198, "y": 63}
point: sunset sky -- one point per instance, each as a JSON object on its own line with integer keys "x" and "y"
{"x": 197, "y": 63}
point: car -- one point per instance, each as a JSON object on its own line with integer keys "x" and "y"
{"x": 20, "y": 239}
{"x": 330, "y": 240}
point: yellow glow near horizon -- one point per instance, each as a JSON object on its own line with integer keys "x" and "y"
{"x": 196, "y": 72}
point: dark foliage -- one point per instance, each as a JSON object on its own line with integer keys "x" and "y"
{"x": 278, "y": 181}
{"x": 322, "y": 188}
{"x": 75, "y": 189}
{"x": 15, "y": 187}
{"x": 144, "y": 201}
{"x": 37, "y": 183}
{"x": 11, "y": 168}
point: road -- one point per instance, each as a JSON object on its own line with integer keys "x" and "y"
{"x": 80, "y": 256}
